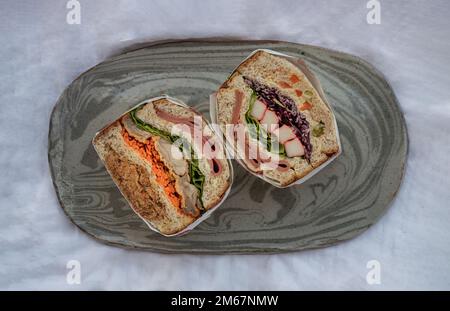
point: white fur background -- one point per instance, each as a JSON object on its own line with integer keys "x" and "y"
{"x": 41, "y": 54}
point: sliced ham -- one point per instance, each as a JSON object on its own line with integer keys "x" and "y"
{"x": 258, "y": 110}
{"x": 239, "y": 97}
{"x": 174, "y": 119}
{"x": 294, "y": 148}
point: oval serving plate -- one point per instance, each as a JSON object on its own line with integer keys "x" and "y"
{"x": 339, "y": 203}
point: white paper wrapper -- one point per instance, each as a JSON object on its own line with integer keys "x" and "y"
{"x": 208, "y": 212}
{"x": 299, "y": 63}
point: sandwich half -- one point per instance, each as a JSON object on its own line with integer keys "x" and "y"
{"x": 161, "y": 168}
{"x": 278, "y": 103}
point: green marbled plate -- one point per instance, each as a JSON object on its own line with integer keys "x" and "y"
{"x": 340, "y": 202}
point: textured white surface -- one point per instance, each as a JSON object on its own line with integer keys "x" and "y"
{"x": 41, "y": 54}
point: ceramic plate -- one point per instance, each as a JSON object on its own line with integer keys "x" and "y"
{"x": 339, "y": 203}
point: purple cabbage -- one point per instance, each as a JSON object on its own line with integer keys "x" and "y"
{"x": 288, "y": 115}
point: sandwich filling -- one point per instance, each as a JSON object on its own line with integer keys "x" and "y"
{"x": 285, "y": 124}
{"x": 156, "y": 150}
{"x": 163, "y": 176}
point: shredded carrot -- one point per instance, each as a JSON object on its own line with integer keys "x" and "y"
{"x": 284, "y": 85}
{"x": 148, "y": 151}
{"x": 294, "y": 78}
{"x": 305, "y": 106}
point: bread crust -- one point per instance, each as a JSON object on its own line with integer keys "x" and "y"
{"x": 272, "y": 70}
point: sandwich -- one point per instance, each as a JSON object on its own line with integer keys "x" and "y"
{"x": 167, "y": 162}
{"x": 275, "y": 103}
